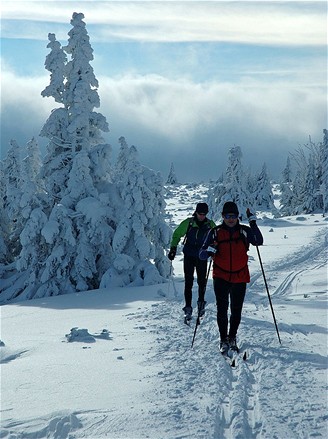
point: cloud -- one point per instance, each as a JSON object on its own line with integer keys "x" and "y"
{"x": 194, "y": 125}
{"x": 184, "y": 106}
{"x": 23, "y": 110}
{"x": 273, "y": 23}
{"x": 184, "y": 122}
{"x": 186, "y": 103}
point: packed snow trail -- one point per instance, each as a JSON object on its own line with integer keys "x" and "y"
{"x": 254, "y": 400}
{"x": 144, "y": 381}
{"x": 274, "y": 394}
{"x": 155, "y": 385}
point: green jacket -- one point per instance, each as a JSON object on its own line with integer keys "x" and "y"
{"x": 195, "y": 232}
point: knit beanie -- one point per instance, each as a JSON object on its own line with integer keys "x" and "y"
{"x": 230, "y": 207}
{"x": 202, "y": 208}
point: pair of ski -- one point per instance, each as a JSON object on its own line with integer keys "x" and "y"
{"x": 233, "y": 356}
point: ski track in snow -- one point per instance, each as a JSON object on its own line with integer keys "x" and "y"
{"x": 209, "y": 399}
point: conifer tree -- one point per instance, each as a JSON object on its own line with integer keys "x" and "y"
{"x": 81, "y": 96}
{"x": 172, "y": 178}
{"x": 31, "y": 185}
{"x": 298, "y": 185}
{"x": 141, "y": 233}
{"x": 122, "y": 159}
{"x": 311, "y": 197}
{"x": 287, "y": 172}
{"x": 233, "y": 187}
{"x": 307, "y": 196}
{"x": 13, "y": 185}
{"x": 4, "y": 220}
{"x": 324, "y": 180}
{"x": 75, "y": 226}
{"x": 56, "y": 64}
{"x": 59, "y": 251}
{"x": 286, "y": 199}
{"x": 56, "y": 164}
{"x": 263, "y": 196}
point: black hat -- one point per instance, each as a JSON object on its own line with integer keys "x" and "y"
{"x": 202, "y": 208}
{"x": 230, "y": 207}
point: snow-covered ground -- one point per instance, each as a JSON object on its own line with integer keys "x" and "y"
{"x": 118, "y": 363}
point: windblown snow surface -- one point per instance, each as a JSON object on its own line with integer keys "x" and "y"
{"x": 118, "y": 363}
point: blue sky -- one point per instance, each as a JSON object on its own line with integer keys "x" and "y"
{"x": 183, "y": 81}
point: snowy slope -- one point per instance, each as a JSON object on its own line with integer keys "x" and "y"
{"x": 132, "y": 374}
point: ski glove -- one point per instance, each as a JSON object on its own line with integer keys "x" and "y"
{"x": 172, "y": 253}
{"x": 211, "y": 251}
{"x": 251, "y": 217}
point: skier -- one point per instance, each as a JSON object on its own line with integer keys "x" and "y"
{"x": 228, "y": 245}
{"x": 194, "y": 229}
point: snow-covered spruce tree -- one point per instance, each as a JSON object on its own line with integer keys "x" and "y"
{"x": 286, "y": 199}
{"x": 13, "y": 185}
{"x": 71, "y": 261}
{"x": 81, "y": 95}
{"x": 76, "y": 126}
{"x": 250, "y": 185}
{"x": 300, "y": 163}
{"x": 141, "y": 233}
{"x": 56, "y": 64}
{"x": 67, "y": 240}
{"x": 262, "y": 195}
{"x": 172, "y": 178}
{"x": 122, "y": 159}
{"x": 311, "y": 197}
{"x": 73, "y": 242}
{"x": 286, "y": 189}
{"x": 4, "y": 220}
{"x": 307, "y": 196}
{"x": 31, "y": 185}
{"x": 61, "y": 242}
{"x": 57, "y": 162}
{"x": 287, "y": 172}
{"x": 233, "y": 188}
{"x": 324, "y": 179}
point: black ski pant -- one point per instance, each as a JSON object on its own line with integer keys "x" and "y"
{"x": 190, "y": 264}
{"x": 223, "y": 292}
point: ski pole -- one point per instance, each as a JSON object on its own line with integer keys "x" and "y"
{"x": 172, "y": 278}
{"x": 198, "y": 316}
{"x": 267, "y": 289}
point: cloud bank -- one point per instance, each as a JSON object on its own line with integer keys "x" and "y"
{"x": 188, "y": 123}
{"x": 184, "y": 80}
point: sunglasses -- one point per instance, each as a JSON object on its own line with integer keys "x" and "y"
{"x": 201, "y": 213}
{"x": 230, "y": 216}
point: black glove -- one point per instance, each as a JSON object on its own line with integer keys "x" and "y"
{"x": 211, "y": 251}
{"x": 251, "y": 217}
{"x": 172, "y": 253}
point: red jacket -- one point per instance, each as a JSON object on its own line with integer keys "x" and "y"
{"x": 230, "y": 260}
